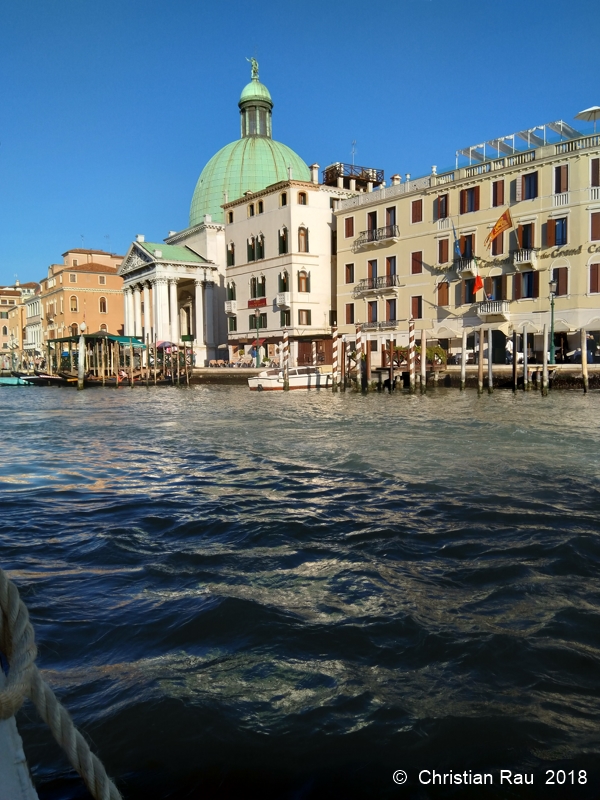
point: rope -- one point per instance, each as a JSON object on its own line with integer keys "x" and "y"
{"x": 24, "y": 680}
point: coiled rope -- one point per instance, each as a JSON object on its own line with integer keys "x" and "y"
{"x": 24, "y": 680}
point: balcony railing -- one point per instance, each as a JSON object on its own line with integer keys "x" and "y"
{"x": 283, "y": 299}
{"x": 377, "y": 235}
{"x": 443, "y": 224}
{"x": 466, "y": 266}
{"x": 494, "y": 308}
{"x": 594, "y": 192}
{"x": 561, "y": 199}
{"x": 231, "y": 307}
{"x": 377, "y": 284}
{"x": 526, "y": 257}
{"x": 384, "y": 325}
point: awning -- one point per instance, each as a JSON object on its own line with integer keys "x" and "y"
{"x": 260, "y": 342}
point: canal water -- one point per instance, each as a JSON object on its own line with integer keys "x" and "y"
{"x": 296, "y": 596}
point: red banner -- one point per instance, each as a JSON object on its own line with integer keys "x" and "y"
{"x": 257, "y": 302}
{"x": 504, "y": 223}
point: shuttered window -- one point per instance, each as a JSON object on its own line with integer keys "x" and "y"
{"x": 594, "y": 278}
{"x": 595, "y": 226}
{"x": 349, "y": 227}
{"x": 416, "y": 307}
{"x": 443, "y": 251}
{"x": 417, "y": 211}
{"x": 551, "y": 232}
{"x": 529, "y": 186}
{"x": 498, "y": 193}
{"x": 595, "y": 176}
{"x": 443, "y": 294}
{"x": 416, "y": 263}
{"x": 372, "y": 311}
{"x": 517, "y": 286}
{"x": 469, "y": 200}
{"x": 498, "y": 245}
{"x": 441, "y": 203}
{"x": 349, "y": 273}
{"x": 561, "y": 276}
{"x": 349, "y": 313}
{"x": 561, "y": 179}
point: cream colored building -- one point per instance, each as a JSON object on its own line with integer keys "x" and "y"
{"x": 415, "y": 248}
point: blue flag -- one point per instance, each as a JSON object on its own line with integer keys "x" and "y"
{"x": 456, "y": 243}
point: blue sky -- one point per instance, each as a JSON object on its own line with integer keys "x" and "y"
{"x": 111, "y": 109}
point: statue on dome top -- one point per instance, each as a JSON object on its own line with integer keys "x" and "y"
{"x": 254, "y": 65}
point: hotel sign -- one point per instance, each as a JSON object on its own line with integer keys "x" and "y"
{"x": 257, "y": 302}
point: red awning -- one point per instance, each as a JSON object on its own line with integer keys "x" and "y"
{"x": 260, "y": 341}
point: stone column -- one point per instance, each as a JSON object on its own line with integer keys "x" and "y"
{"x": 210, "y": 323}
{"x": 156, "y": 318}
{"x": 174, "y": 310}
{"x": 130, "y": 314}
{"x": 125, "y": 310}
{"x": 137, "y": 311}
{"x": 164, "y": 331}
{"x": 147, "y": 319}
{"x": 199, "y": 314}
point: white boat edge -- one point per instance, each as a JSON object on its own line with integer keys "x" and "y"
{"x": 306, "y": 378}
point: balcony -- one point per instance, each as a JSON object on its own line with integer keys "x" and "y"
{"x": 561, "y": 199}
{"x": 594, "y": 192}
{"x": 283, "y": 300}
{"x": 384, "y": 325}
{"x": 466, "y": 267}
{"x": 494, "y": 310}
{"x": 231, "y": 307}
{"x": 386, "y": 283}
{"x": 526, "y": 257}
{"x": 389, "y": 233}
{"x": 443, "y": 224}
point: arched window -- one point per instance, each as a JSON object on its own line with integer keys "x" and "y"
{"x": 251, "y": 249}
{"x": 302, "y": 199}
{"x": 103, "y": 327}
{"x": 283, "y": 198}
{"x": 74, "y": 329}
{"x": 303, "y": 281}
{"x": 261, "y": 207}
{"x": 73, "y": 303}
{"x": 231, "y": 254}
{"x": 4, "y": 330}
{"x": 260, "y": 246}
{"x": 103, "y": 306}
{"x": 258, "y": 287}
{"x": 284, "y": 282}
{"x": 303, "y": 240}
{"x": 231, "y": 291}
{"x": 251, "y": 210}
{"x": 283, "y": 241}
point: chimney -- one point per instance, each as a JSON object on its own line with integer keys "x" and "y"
{"x": 314, "y": 173}
{"x": 140, "y": 237}
{"x": 158, "y": 253}
{"x": 396, "y": 179}
{"x": 290, "y": 174}
{"x": 207, "y": 219}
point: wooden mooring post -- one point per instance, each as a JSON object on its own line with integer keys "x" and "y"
{"x": 334, "y": 359}
{"x": 584, "y": 364}
{"x": 480, "y": 363}
{"x": 423, "y": 361}
{"x": 463, "y": 361}
{"x": 526, "y": 385}
{"x": 391, "y": 380}
{"x": 545, "y": 380}
{"x": 490, "y": 364}
{"x": 343, "y": 365}
{"x": 514, "y": 361}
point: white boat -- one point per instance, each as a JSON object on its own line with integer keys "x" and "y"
{"x": 299, "y": 378}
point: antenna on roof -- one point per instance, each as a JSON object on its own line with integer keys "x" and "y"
{"x": 353, "y": 150}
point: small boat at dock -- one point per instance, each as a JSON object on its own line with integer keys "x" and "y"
{"x": 298, "y": 377}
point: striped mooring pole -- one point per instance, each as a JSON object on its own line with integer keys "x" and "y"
{"x": 314, "y": 354}
{"x": 286, "y": 360}
{"x": 359, "y": 352}
{"x": 411, "y": 354}
{"x": 334, "y": 367}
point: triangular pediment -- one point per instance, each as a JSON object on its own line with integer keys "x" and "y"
{"x": 135, "y": 258}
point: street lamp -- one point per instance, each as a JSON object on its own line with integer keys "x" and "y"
{"x": 257, "y": 320}
{"x": 553, "y": 285}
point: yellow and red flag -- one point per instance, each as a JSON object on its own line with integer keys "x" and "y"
{"x": 504, "y": 223}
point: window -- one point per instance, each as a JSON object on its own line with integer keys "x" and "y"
{"x": 74, "y": 329}
{"x": 4, "y": 330}
{"x": 467, "y": 293}
{"x": 526, "y": 285}
{"x": 230, "y": 217}
{"x": 3, "y": 314}
{"x": 560, "y": 231}
{"x": 349, "y": 227}
{"x": 103, "y": 306}
{"x": 283, "y": 199}
{"x": 467, "y": 245}
{"x": 561, "y": 276}
{"x": 443, "y": 251}
{"x": 258, "y": 287}
{"x": 102, "y": 280}
{"x": 595, "y": 226}
{"x": 349, "y": 313}
{"x": 103, "y": 327}
{"x": 595, "y": 278}
{"x": 285, "y": 318}
{"x": 232, "y": 324}
{"x": 416, "y": 307}
{"x": 527, "y": 187}
{"x": 349, "y": 273}
{"x": 250, "y": 247}
{"x": 561, "y": 179}
{"x": 525, "y": 236}
{"x": 498, "y": 245}
{"x": 261, "y": 207}
{"x": 441, "y": 207}
{"x": 304, "y": 316}
{"x": 443, "y": 294}
{"x": 251, "y": 210}
{"x": 72, "y": 277}
{"x": 372, "y": 270}
{"x": 283, "y": 241}
{"x": 231, "y": 291}
{"x": 74, "y": 262}
{"x": 303, "y": 240}
{"x": 469, "y": 200}
{"x": 303, "y": 282}
{"x": 390, "y": 265}
{"x": 497, "y": 194}
{"x": 262, "y": 321}
{"x": 372, "y": 311}
{"x": 302, "y": 198}
{"x": 73, "y": 303}
{"x": 416, "y": 214}
{"x": 595, "y": 172}
{"x": 284, "y": 282}
{"x": 495, "y": 287}
{"x": 390, "y": 310}
{"x": 231, "y": 255}
{"x": 416, "y": 263}
{"x": 260, "y": 247}
{"x": 390, "y": 216}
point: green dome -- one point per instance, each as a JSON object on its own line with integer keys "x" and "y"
{"x": 255, "y": 90}
{"x": 250, "y": 164}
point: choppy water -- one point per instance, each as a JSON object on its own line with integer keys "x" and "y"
{"x": 246, "y": 595}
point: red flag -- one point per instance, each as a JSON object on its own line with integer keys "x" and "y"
{"x": 504, "y": 223}
{"x": 478, "y": 284}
